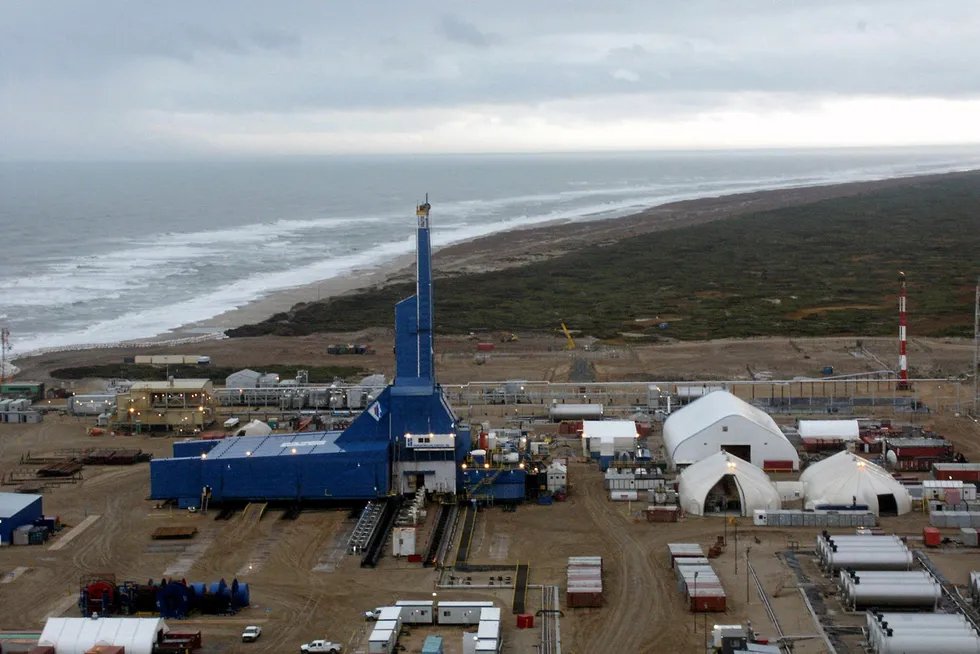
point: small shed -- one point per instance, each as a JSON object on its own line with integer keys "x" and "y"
{"x": 557, "y": 476}
{"x": 17, "y": 510}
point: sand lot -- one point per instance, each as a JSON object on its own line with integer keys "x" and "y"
{"x": 304, "y": 586}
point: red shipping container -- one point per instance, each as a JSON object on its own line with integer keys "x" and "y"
{"x": 415, "y": 558}
{"x": 529, "y": 618}
{"x": 777, "y": 466}
{"x": 484, "y": 347}
{"x": 707, "y": 603}
{"x": 931, "y": 537}
{"x": 583, "y": 599}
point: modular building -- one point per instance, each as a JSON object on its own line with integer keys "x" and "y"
{"x": 31, "y": 390}
{"x": 464, "y": 613}
{"x": 619, "y": 435}
{"x": 417, "y": 611}
{"x": 719, "y": 421}
{"x": 17, "y": 510}
{"x": 92, "y": 405}
{"x": 181, "y": 404}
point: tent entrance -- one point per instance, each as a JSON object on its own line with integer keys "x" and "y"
{"x": 887, "y": 505}
{"x": 743, "y": 452}
{"x": 724, "y": 498}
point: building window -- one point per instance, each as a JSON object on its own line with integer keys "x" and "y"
{"x": 724, "y": 427}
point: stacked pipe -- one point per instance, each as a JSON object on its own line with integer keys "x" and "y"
{"x": 921, "y": 633}
{"x": 886, "y": 588}
{"x": 862, "y": 552}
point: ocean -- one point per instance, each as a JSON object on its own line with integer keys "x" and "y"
{"x": 98, "y": 253}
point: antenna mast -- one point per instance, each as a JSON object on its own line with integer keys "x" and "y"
{"x": 4, "y": 348}
{"x": 903, "y": 362}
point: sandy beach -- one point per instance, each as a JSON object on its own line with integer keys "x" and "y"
{"x": 520, "y": 246}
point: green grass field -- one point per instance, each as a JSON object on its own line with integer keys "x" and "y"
{"x": 821, "y": 269}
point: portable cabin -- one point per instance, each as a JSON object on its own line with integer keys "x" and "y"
{"x": 417, "y": 611}
{"x": 465, "y": 613}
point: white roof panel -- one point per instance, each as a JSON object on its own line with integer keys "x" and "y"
{"x": 847, "y": 430}
{"x": 607, "y": 430}
{"x": 78, "y": 635}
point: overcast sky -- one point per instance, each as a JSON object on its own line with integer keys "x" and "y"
{"x": 117, "y": 78}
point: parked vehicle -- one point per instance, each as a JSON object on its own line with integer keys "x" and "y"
{"x": 321, "y": 646}
{"x": 372, "y": 616}
{"x": 251, "y": 634}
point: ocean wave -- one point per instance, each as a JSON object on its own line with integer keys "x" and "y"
{"x": 136, "y": 270}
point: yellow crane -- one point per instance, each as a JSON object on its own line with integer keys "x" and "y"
{"x": 571, "y": 342}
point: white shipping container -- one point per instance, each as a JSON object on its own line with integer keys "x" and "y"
{"x": 461, "y": 612}
{"x": 382, "y": 641}
{"x": 417, "y": 611}
{"x": 403, "y": 541}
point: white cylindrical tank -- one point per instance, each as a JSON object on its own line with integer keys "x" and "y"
{"x": 874, "y": 576}
{"x": 877, "y": 633}
{"x": 928, "y": 644}
{"x": 859, "y": 550}
{"x": 872, "y": 541}
{"x": 827, "y": 548}
{"x": 870, "y": 560}
{"x": 623, "y": 495}
{"x": 861, "y": 595}
{"x": 575, "y": 411}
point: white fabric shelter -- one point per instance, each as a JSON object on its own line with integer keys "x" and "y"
{"x": 754, "y": 488}
{"x": 841, "y": 430}
{"x": 846, "y": 478}
{"x": 720, "y": 421}
{"x": 254, "y": 428}
{"x": 78, "y": 635}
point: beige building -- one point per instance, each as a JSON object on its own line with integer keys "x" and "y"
{"x": 178, "y": 404}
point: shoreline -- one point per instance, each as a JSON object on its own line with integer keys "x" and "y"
{"x": 506, "y": 249}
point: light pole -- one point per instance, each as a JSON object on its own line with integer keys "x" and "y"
{"x": 695, "y": 602}
{"x": 747, "y": 550}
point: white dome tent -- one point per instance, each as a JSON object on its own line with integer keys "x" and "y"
{"x": 846, "y": 478}
{"x": 719, "y": 421}
{"x": 725, "y": 475}
{"x": 254, "y": 428}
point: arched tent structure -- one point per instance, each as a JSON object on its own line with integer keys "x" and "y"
{"x": 719, "y": 421}
{"x": 723, "y": 477}
{"x": 254, "y": 428}
{"x": 80, "y": 635}
{"x": 846, "y": 479}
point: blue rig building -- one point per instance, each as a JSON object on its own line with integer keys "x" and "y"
{"x": 409, "y": 438}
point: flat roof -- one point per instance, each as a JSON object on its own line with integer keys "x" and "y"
{"x": 315, "y": 442}
{"x": 177, "y": 385}
{"x": 13, "y": 503}
{"x": 607, "y": 430}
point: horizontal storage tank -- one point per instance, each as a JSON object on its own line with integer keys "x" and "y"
{"x": 560, "y": 412}
{"x": 890, "y": 593}
{"x": 873, "y": 576}
{"x": 926, "y": 643}
{"x": 878, "y": 633}
{"x": 623, "y": 495}
{"x": 870, "y": 560}
{"x": 867, "y": 551}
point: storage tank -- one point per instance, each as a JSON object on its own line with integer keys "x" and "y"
{"x": 623, "y": 495}
{"x": 870, "y": 559}
{"x": 926, "y": 643}
{"x": 877, "y": 633}
{"x": 867, "y": 550}
{"x": 889, "y": 593}
{"x": 873, "y": 576}
{"x": 479, "y": 456}
{"x": 560, "y": 412}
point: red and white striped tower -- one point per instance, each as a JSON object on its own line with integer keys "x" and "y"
{"x": 903, "y": 362}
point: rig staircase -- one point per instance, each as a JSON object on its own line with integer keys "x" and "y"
{"x": 386, "y": 523}
{"x": 366, "y": 525}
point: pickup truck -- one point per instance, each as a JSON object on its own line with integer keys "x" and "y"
{"x": 321, "y": 646}
{"x": 251, "y": 634}
{"x": 372, "y": 616}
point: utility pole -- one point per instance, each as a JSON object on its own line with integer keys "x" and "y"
{"x": 976, "y": 351}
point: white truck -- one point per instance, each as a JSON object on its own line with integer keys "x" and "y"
{"x": 251, "y": 634}
{"x": 321, "y": 647}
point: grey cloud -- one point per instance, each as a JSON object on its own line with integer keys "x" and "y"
{"x": 94, "y": 66}
{"x": 458, "y": 30}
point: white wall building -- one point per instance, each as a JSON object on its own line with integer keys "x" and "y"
{"x": 831, "y": 430}
{"x": 752, "y": 485}
{"x": 719, "y": 421}
{"x": 846, "y": 479}
{"x": 614, "y": 437}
